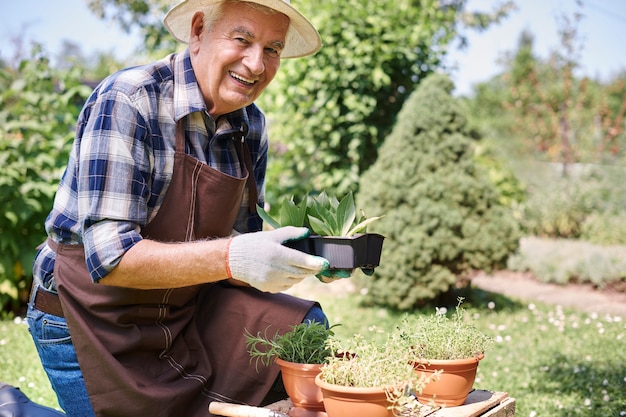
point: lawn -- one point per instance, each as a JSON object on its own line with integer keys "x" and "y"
{"x": 553, "y": 361}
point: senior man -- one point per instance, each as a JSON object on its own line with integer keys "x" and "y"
{"x": 155, "y": 261}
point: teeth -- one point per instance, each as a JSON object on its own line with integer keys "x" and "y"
{"x": 238, "y": 77}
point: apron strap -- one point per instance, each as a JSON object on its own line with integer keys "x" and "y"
{"x": 253, "y": 196}
{"x": 243, "y": 152}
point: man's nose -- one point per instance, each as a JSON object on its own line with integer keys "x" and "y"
{"x": 254, "y": 60}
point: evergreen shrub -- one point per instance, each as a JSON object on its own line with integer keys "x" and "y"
{"x": 442, "y": 217}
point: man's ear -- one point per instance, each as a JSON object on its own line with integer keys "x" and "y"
{"x": 197, "y": 27}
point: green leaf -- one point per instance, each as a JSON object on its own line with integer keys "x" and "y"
{"x": 346, "y": 213}
{"x": 291, "y": 214}
{"x": 320, "y": 227}
{"x": 362, "y": 226}
{"x": 265, "y": 216}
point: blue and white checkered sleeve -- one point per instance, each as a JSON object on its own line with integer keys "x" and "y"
{"x": 113, "y": 181}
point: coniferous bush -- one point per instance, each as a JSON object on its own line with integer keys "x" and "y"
{"x": 442, "y": 218}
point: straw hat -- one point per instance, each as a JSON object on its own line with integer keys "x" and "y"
{"x": 302, "y": 37}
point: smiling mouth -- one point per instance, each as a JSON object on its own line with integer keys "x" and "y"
{"x": 241, "y": 79}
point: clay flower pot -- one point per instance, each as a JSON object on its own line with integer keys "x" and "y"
{"x": 343, "y": 401}
{"x": 299, "y": 382}
{"x": 454, "y": 384}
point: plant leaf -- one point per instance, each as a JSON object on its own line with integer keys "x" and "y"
{"x": 291, "y": 214}
{"x": 265, "y": 216}
{"x": 322, "y": 200}
{"x": 361, "y": 227}
{"x": 346, "y": 214}
{"x": 320, "y": 209}
{"x": 320, "y": 227}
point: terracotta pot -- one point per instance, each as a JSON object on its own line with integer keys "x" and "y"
{"x": 454, "y": 384}
{"x": 299, "y": 382}
{"x": 342, "y": 401}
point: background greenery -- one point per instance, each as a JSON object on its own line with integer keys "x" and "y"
{"x": 38, "y": 109}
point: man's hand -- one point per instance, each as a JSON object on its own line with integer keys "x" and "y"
{"x": 262, "y": 261}
{"x": 329, "y": 275}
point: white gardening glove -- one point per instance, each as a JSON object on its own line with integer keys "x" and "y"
{"x": 262, "y": 261}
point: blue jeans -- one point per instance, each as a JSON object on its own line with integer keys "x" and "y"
{"x": 58, "y": 357}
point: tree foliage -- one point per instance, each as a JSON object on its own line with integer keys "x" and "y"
{"x": 552, "y": 114}
{"x": 144, "y": 15}
{"x": 38, "y": 110}
{"x": 331, "y": 112}
{"x": 442, "y": 217}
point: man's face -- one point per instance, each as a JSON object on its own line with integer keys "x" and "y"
{"x": 238, "y": 57}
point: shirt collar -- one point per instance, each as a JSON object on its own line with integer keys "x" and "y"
{"x": 188, "y": 97}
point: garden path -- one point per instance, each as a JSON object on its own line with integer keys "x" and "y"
{"x": 521, "y": 286}
{"x": 581, "y": 297}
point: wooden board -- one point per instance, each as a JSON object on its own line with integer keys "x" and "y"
{"x": 479, "y": 403}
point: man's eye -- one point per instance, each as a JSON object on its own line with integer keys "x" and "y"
{"x": 272, "y": 52}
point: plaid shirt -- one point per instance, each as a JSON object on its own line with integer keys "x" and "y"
{"x": 122, "y": 160}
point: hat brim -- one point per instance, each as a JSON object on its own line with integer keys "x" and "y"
{"x": 302, "y": 38}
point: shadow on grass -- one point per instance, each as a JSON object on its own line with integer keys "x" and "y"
{"x": 583, "y": 387}
{"x": 474, "y": 298}
{"x": 478, "y": 299}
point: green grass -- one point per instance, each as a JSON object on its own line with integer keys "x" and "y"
{"x": 553, "y": 361}
{"x": 19, "y": 363}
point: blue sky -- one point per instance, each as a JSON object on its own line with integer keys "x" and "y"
{"x": 602, "y": 30}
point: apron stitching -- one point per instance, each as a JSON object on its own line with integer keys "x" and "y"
{"x": 167, "y": 333}
{"x": 183, "y": 373}
{"x": 219, "y": 397}
{"x": 189, "y": 235}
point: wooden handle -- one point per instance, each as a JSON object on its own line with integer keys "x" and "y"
{"x": 236, "y": 410}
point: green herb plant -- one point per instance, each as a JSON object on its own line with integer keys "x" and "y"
{"x": 325, "y": 215}
{"x": 439, "y": 337}
{"x": 368, "y": 363}
{"x": 304, "y": 343}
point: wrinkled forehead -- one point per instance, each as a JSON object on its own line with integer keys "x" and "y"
{"x": 254, "y": 21}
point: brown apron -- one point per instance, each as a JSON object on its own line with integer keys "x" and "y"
{"x": 171, "y": 352}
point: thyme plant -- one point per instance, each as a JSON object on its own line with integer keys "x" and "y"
{"x": 360, "y": 362}
{"x": 439, "y": 337}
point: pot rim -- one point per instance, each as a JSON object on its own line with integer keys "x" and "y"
{"x": 445, "y": 361}
{"x": 319, "y": 381}
{"x": 305, "y": 366}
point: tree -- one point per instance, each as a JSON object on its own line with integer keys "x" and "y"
{"x": 330, "y": 113}
{"x": 38, "y": 110}
{"x": 552, "y": 114}
{"x": 442, "y": 218}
